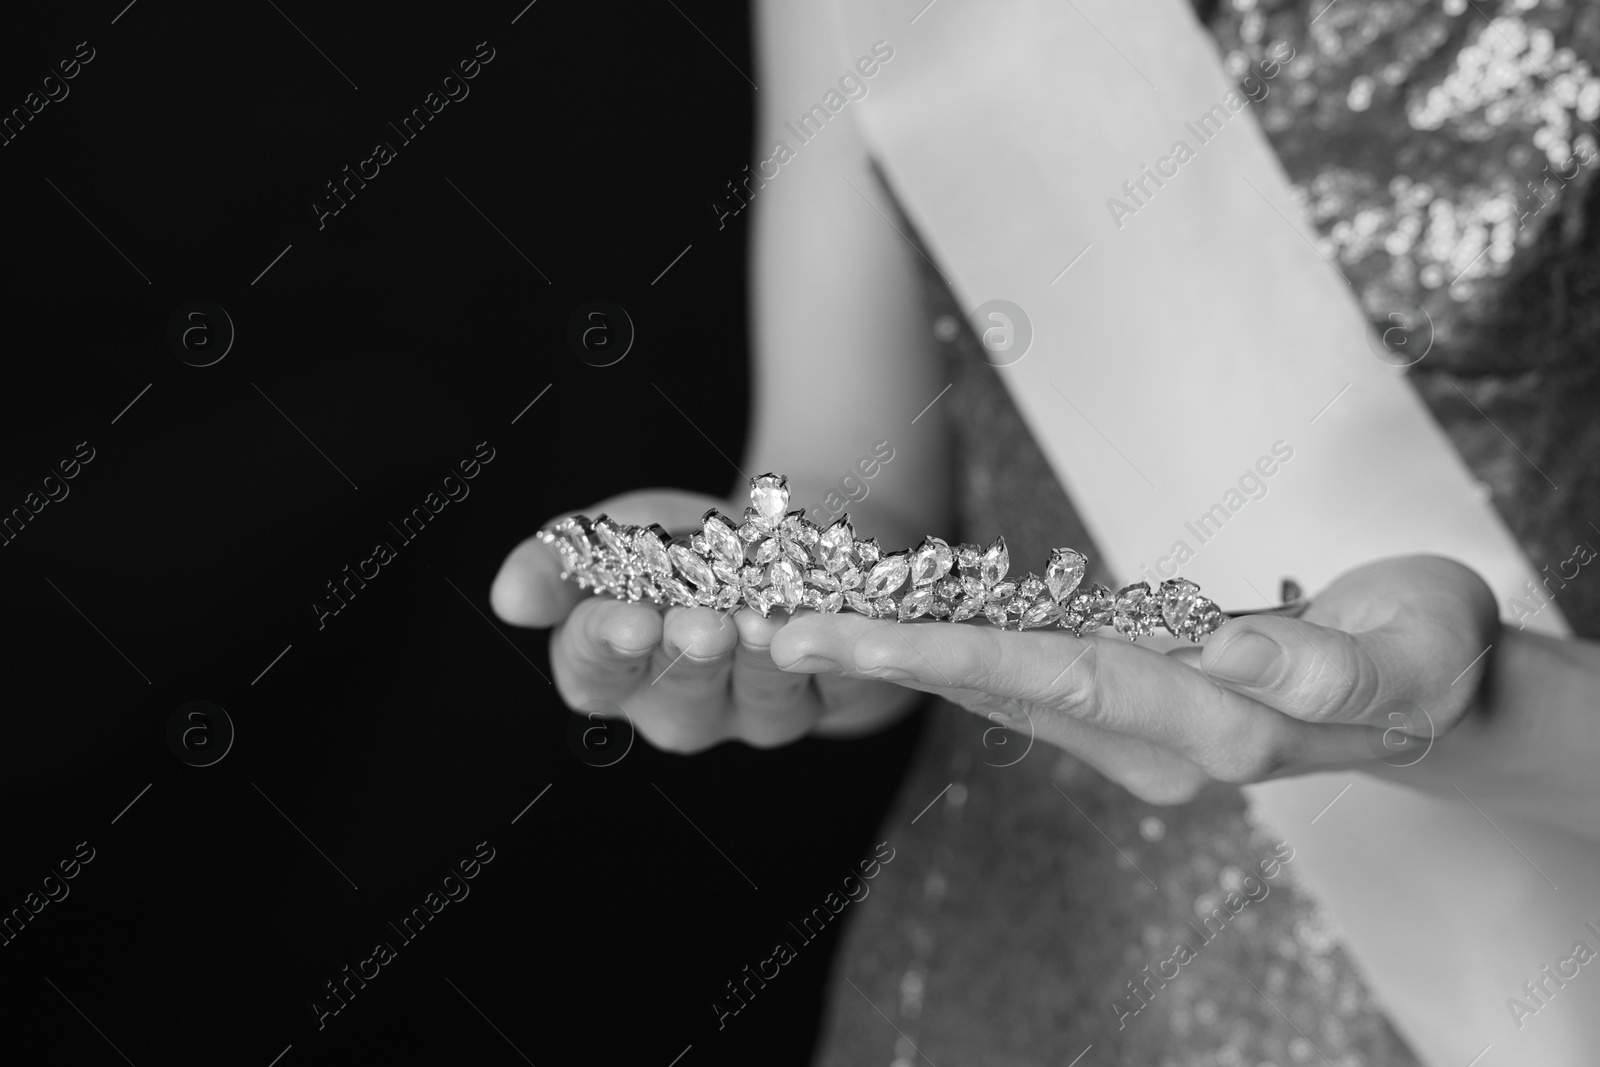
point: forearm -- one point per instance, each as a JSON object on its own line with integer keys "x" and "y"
{"x": 1532, "y": 745}
{"x": 844, "y": 360}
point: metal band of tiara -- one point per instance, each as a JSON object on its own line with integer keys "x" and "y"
{"x": 778, "y": 558}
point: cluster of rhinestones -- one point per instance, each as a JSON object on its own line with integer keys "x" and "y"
{"x": 778, "y": 558}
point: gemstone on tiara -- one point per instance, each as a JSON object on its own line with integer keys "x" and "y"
{"x": 777, "y": 558}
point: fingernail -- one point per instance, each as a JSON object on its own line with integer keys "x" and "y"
{"x": 1249, "y": 659}
{"x": 626, "y": 653}
{"x": 886, "y": 674}
{"x": 813, "y": 665}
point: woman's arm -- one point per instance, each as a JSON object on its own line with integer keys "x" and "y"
{"x": 843, "y": 357}
{"x": 1532, "y": 744}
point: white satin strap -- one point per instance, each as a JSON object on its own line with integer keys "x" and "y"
{"x": 1178, "y": 340}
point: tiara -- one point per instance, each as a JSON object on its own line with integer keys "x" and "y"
{"x": 778, "y": 558}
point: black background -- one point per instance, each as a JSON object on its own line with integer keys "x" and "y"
{"x": 188, "y": 552}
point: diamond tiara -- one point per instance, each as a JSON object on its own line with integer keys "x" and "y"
{"x": 778, "y": 558}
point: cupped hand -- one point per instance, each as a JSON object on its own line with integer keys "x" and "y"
{"x": 1389, "y": 647}
{"x": 687, "y": 678}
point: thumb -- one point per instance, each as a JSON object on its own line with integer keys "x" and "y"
{"x": 528, "y": 590}
{"x": 1314, "y": 673}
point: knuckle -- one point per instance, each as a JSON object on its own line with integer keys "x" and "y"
{"x": 1329, "y": 691}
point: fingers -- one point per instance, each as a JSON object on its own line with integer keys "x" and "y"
{"x": 775, "y": 706}
{"x": 528, "y": 590}
{"x": 1063, "y": 683}
{"x": 1412, "y": 630}
{"x": 602, "y": 650}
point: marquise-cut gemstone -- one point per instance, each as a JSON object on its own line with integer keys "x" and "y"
{"x": 823, "y": 580}
{"x": 887, "y": 576}
{"x": 966, "y": 609}
{"x": 676, "y": 592}
{"x": 724, "y": 572}
{"x": 770, "y": 550}
{"x": 915, "y": 605}
{"x": 996, "y": 562}
{"x": 787, "y": 586}
{"x": 720, "y": 538}
{"x": 650, "y": 544}
{"x": 1041, "y": 613}
{"x": 770, "y": 495}
{"x": 609, "y": 536}
{"x": 1064, "y": 573}
{"x": 693, "y": 567}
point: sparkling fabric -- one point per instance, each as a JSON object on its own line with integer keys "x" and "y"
{"x": 1437, "y": 147}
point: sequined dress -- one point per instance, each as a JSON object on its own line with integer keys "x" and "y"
{"x": 1036, "y": 906}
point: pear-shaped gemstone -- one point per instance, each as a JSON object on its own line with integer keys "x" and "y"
{"x": 996, "y": 562}
{"x": 770, "y": 496}
{"x": 1178, "y": 599}
{"x": 693, "y": 568}
{"x": 888, "y": 575}
{"x": 1064, "y": 573}
{"x": 930, "y": 562}
{"x": 836, "y": 544}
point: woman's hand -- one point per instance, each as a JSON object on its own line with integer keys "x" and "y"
{"x": 687, "y": 678}
{"x": 1392, "y": 646}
